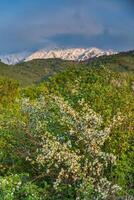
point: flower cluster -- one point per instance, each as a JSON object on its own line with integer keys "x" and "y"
{"x": 73, "y": 156}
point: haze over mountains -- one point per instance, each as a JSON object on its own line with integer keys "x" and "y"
{"x": 76, "y": 54}
{"x": 12, "y": 59}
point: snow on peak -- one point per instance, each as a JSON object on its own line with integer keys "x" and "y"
{"x": 76, "y": 54}
{"x": 12, "y": 59}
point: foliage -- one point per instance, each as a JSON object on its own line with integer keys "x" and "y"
{"x": 16, "y": 186}
{"x": 69, "y": 137}
{"x": 8, "y": 91}
{"x": 70, "y": 158}
{"x": 34, "y": 71}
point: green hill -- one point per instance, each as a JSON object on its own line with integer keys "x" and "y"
{"x": 123, "y": 62}
{"x": 72, "y": 134}
{"x": 34, "y": 71}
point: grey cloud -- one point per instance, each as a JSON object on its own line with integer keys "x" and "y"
{"x": 77, "y": 23}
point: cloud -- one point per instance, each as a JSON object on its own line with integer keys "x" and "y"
{"x": 105, "y": 40}
{"x": 29, "y": 25}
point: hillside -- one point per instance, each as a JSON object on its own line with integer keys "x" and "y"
{"x": 34, "y": 71}
{"x": 69, "y": 136}
{"x": 123, "y": 61}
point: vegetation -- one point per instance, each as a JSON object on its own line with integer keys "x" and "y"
{"x": 71, "y": 136}
{"x": 123, "y": 62}
{"x": 34, "y": 71}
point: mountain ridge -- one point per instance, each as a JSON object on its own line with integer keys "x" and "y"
{"x": 27, "y": 73}
{"x": 12, "y": 59}
{"x": 76, "y": 54}
{"x": 72, "y": 54}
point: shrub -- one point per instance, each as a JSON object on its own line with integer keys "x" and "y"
{"x": 63, "y": 148}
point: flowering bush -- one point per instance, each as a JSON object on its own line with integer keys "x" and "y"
{"x": 63, "y": 147}
{"x": 17, "y": 187}
{"x": 58, "y": 146}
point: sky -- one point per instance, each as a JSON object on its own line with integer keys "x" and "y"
{"x": 29, "y": 25}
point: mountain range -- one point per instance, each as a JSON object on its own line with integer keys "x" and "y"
{"x": 12, "y": 59}
{"x": 76, "y": 54}
{"x": 36, "y": 70}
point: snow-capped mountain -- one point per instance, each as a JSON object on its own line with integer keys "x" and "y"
{"x": 76, "y": 54}
{"x": 12, "y": 59}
